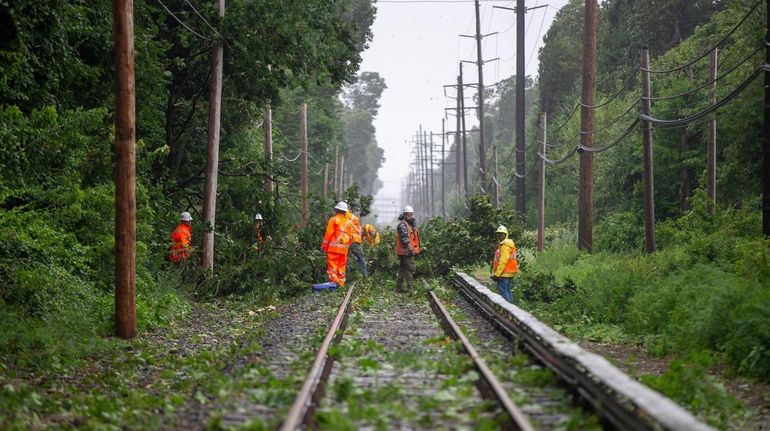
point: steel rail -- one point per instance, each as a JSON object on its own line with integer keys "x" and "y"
{"x": 620, "y": 400}
{"x": 301, "y": 411}
{"x": 489, "y": 385}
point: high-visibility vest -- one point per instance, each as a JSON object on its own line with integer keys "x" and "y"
{"x": 355, "y": 228}
{"x": 414, "y": 240}
{"x": 506, "y": 251}
{"x": 180, "y": 247}
{"x": 371, "y": 235}
{"x": 337, "y": 238}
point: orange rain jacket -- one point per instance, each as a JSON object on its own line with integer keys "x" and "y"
{"x": 355, "y": 228}
{"x": 181, "y": 239}
{"x": 337, "y": 238}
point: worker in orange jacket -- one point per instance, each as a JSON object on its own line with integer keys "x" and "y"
{"x": 181, "y": 239}
{"x": 357, "y": 249}
{"x": 336, "y": 243}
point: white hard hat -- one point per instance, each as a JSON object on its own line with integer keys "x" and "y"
{"x": 186, "y": 216}
{"x": 258, "y": 216}
{"x": 408, "y": 209}
{"x": 342, "y": 206}
{"x": 502, "y": 229}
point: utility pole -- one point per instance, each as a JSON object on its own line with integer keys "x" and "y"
{"x": 649, "y": 197}
{"x": 125, "y": 170}
{"x": 303, "y": 156}
{"x": 711, "y": 138}
{"x": 588, "y": 97}
{"x": 520, "y": 81}
{"x": 336, "y": 186}
{"x": 541, "y": 183}
{"x": 465, "y": 142}
{"x": 326, "y": 179}
{"x": 212, "y": 165}
{"x": 430, "y": 172}
{"x": 480, "y": 66}
{"x": 520, "y": 125}
{"x": 458, "y": 143}
{"x": 267, "y": 127}
{"x": 443, "y": 166}
{"x": 496, "y": 184}
{"x": 766, "y": 133}
{"x": 342, "y": 175}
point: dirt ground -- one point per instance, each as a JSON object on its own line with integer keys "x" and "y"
{"x": 635, "y": 362}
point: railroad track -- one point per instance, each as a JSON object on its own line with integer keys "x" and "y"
{"x": 390, "y": 366}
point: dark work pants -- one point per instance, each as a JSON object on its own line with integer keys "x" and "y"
{"x": 405, "y": 273}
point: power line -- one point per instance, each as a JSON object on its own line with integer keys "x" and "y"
{"x": 182, "y": 22}
{"x": 718, "y": 44}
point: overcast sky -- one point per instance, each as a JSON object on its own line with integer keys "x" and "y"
{"x": 417, "y": 49}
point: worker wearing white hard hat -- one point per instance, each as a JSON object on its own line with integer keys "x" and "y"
{"x": 181, "y": 239}
{"x": 505, "y": 265}
{"x": 258, "y": 236}
{"x": 407, "y": 246}
{"x": 336, "y": 243}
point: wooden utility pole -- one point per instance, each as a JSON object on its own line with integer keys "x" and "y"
{"x": 588, "y": 97}
{"x": 711, "y": 138}
{"x": 125, "y": 170}
{"x": 458, "y": 144}
{"x": 521, "y": 10}
{"x": 649, "y": 197}
{"x": 766, "y": 133}
{"x": 336, "y": 186}
{"x": 212, "y": 161}
{"x": 496, "y": 183}
{"x": 342, "y": 175}
{"x": 303, "y": 157}
{"x": 431, "y": 174}
{"x": 443, "y": 167}
{"x": 480, "y": 66}
{"x": 543, "y": 137}
{"x": 267, "y": 127}
{"x": 326, "y": 179}
{"x": 465, "y": 142}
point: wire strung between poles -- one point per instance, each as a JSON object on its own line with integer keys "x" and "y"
{"x": 615, "y": 120}
{"x": 697, "y": 116}
{"x": 707, "y": 84}
{"x": 723, "y": 40}
{"x": 557, "y": 162}
{"x": 617, "y": 140}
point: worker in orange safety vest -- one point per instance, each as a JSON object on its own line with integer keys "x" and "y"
{"x": 505, "y": 265}
{"x": 181, "y": 239}
{"x": 356, "y": 249}
{"x": 336, "y": 243}
{"x": 407, "y": 246}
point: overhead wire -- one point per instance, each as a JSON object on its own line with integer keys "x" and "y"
{"x": 735, "y": 92}
{"x": 616, "y": 141}
{"x": 182, "y": 22}
{"x": 710, "y": 82}
{"x": 718, "y": 44}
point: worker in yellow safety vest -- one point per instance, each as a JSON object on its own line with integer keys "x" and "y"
{"x": 336, "y": 243}
{"x": 371, "y": 235}
{"x": 505, "y": 265}
{"x": 356, "y": 249}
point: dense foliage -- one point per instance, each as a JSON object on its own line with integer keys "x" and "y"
{"x": 56, "y": 174}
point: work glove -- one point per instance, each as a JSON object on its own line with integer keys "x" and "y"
{"x": 495, "y": 278}
{"x": 410, "y": 253}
